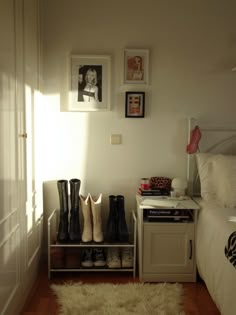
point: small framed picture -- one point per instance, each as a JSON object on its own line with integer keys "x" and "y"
{"x": 135, "y": 104}
{"x": 89, "y": 83}
{"x": 136, "y": 64}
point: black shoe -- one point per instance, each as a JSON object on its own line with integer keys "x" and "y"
{"x": 111, "y": 234}
{"x": 99, "y": 259}
{"x": 74, "y": 228}
{"x": 123, "y": 234}
{"x": 62, "y": 186}
{"x": 87, "y": 258}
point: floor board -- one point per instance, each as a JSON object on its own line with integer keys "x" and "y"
{"x": 197, "y": 300}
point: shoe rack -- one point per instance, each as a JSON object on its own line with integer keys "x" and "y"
{"x": 66, "y": 257}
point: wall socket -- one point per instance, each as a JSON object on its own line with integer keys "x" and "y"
{"x": 115, "y": 139}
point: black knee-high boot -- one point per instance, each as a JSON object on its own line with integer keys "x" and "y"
{"x": 123, "y": 234}
{"x": 112, "y": 227}
{"x": 62, "y": 186}
{"x": 74, "y": 228}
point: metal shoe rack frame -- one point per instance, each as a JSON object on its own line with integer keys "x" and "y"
{"x": 53, "y": 222}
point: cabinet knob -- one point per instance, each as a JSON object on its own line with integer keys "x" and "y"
{"x": 23, "y": 135}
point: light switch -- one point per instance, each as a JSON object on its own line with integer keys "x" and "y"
{"x": 115, "y": 139}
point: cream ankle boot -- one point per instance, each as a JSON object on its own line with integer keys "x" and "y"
{"x": 86, "y": 210}
{"x": 96, "y": 205}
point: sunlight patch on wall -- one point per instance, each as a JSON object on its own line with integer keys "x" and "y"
{"x": 38, "y": 139}
{"x": 28, "y": 126}
{"x": 65, "y": 140}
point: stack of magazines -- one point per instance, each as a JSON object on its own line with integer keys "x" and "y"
{"x": 153, "y": 192}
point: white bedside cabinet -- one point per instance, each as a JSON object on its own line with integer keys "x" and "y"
{"x": 166, "y": 239}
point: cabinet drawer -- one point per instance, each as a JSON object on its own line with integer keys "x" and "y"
{"x": 168, "y": 248}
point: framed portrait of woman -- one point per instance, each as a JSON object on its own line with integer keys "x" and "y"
{"x": 136, "y": 64}
{"x": 89, "y": 83}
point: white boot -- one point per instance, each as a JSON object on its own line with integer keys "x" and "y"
{"x": 97, "y": 218}
{"x": 86, "y": 210}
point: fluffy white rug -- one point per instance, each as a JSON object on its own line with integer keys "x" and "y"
{"x": 119, "y": 299}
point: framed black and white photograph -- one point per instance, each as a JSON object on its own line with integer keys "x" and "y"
{"x": 135, "y": 104}
{"x": 136, "y": 64}
{"x": 89, "y": 83}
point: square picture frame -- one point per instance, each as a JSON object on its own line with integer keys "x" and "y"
{"x": 134, "y": 104}
{"x": 90, "y": 85}
{"x": 136, "y": 66}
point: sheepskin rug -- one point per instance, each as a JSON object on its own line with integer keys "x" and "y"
{"x": 119, "y": 299}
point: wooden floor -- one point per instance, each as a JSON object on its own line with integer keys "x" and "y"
{"x": 197, "y": 301}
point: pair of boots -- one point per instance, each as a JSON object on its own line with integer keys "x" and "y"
{"x": 69, "y": 231}
{"x": 116, "y": 230}
{"x": 91, "y": 209}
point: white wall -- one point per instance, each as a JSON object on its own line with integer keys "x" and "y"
{"x": 192, "y": 50}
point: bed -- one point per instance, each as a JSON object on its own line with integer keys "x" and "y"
{"x": 212, "y": 183}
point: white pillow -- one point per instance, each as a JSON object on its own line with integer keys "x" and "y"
{"x": 205, "y": 171}
{"x": 224, "y": 176}
{"x": 217, "y": 173}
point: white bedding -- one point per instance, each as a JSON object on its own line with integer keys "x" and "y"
{"x": 219, "y": 275}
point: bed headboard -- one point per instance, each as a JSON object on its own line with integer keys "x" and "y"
{"x": 216, "y": 138}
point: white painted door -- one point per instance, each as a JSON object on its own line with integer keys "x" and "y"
{"x": 10, "y": 142}
{"x": 20, "y": 217}
{"x": 168, "y": 248}
{"x": 32, "y": 98}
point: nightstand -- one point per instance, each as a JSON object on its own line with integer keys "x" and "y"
{"x": 166, "y": 239}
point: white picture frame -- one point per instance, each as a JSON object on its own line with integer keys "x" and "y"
{"x": 136, "y": 66}
{"x": 90, "y": 77}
